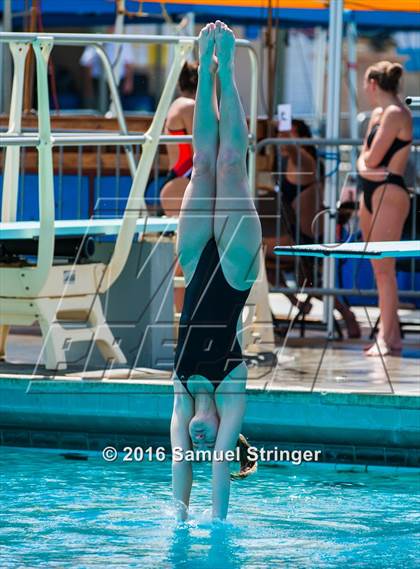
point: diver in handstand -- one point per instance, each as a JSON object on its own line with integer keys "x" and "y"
{"x": 218, "y": 246}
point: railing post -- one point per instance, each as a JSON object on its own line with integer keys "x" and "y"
{"x": 252, "y": 155}
{"x": 333, "y": 130}
{"x": 116, "y": 104}
{"x": 42, "y": 47}
{"x": 11, "y": 166}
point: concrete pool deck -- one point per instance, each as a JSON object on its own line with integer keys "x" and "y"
{"x": 350, "y": 413}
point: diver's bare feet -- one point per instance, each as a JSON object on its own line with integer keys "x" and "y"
{"x": 206, "y": 48}
{"x": 225, "y": 45}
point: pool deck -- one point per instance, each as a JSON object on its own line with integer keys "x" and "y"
{"x": 357, "y": 410}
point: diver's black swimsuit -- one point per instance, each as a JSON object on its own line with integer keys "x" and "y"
{"x": 207, "y": 341}
{"x": 368, "y": 187}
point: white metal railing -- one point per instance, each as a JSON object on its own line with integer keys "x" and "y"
{"x": 45, "y": 139}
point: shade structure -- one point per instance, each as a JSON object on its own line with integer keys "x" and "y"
{"x": 371, "y": 14}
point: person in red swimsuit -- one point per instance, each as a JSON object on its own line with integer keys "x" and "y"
{"x": 180, "y": 122}
{"x": 164, "y": 194}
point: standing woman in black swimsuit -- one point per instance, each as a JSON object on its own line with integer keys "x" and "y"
{"x": 219, "y": 240}
{"x": 385, "y": 201}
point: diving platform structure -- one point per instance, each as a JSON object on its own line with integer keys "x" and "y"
{"x": 46, "y": 290}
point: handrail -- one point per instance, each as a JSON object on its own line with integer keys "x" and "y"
{"x": 309, "y": 141}
{"x": 252, "y": 154}
{"x": 316, "y": 142}
{"x": 115, "y": 98}
{"x": 150, "y": 139}
{"x": 97, "y": 39}
{"x": 76, "y": 139}
{"x": 89, "y": 39}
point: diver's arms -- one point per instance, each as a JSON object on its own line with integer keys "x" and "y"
{"x": 388, "y": 130}
{"x": 231, "y": 408}
{"x": 368, "y": 172}
{"x": 181, "y": 470}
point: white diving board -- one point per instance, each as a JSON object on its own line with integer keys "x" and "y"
{"x": 81, "y": 227}
{"x": 372, "y": 250}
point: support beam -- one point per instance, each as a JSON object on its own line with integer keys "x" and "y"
{"x": 319, "y": 88}
{"x": 333, "y": 131}
{"x": 6, "y": 67}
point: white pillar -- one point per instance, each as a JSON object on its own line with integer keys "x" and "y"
{"x": 6, "y": 59}
{"x": 333, "y": 131}
{"x": 319, "y": 88}
{"x": 190, "y": 27}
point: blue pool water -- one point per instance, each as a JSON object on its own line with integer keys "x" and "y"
{"x": 64, "y": 513}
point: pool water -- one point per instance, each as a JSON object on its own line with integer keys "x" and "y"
{"x": 56, "y": 512}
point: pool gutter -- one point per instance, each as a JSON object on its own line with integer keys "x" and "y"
{"x": 90, "y": 414}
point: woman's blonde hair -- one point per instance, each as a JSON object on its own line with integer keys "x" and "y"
{"x": 247, "y": 467}
{"x": 387, "y": 75}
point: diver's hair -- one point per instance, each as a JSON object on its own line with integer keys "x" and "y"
{"x": 247, "y": 467}
{"x": 387, "y": 75}
{"x": 188, "y": 79}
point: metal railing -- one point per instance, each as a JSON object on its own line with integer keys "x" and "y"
{"x": 99, "y": 204}
{"x": 97, "y": 40}
{"x": 45, "y": 140}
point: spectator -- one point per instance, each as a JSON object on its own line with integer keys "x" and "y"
{"x": 385, "y": 201}
{"x": 301, "y": 181}
{"x": 180, "y": 122}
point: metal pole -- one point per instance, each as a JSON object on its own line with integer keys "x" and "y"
{"x": 190, "y": 31}
{"x": 116, "y": 109}
{"x": 413, "y": 102}
{"x": 320, "y": 63}
{"x": 253, "y": 122}
{"x": 6, "y": 74}
{"x": 270, "y": 44}
{"x": 333, "y": 131}
{"x": 117, "y": 64}
{"x": 30, "y": 61}
{"x": 190, "y": 27}
{"x": 280, "y": 68}
{"x": 352, "y": 77}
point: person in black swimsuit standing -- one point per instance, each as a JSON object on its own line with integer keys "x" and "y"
{"x": 219, "y": 242}
{"x": 385, "y": 201}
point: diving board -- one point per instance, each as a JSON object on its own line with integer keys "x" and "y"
{"x": 82, "y": 227}
{"x": 371, "y": 250}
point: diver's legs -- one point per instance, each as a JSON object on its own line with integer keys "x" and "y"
{"x": 237, "y": 227}
{"x": 197, "y": 210}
